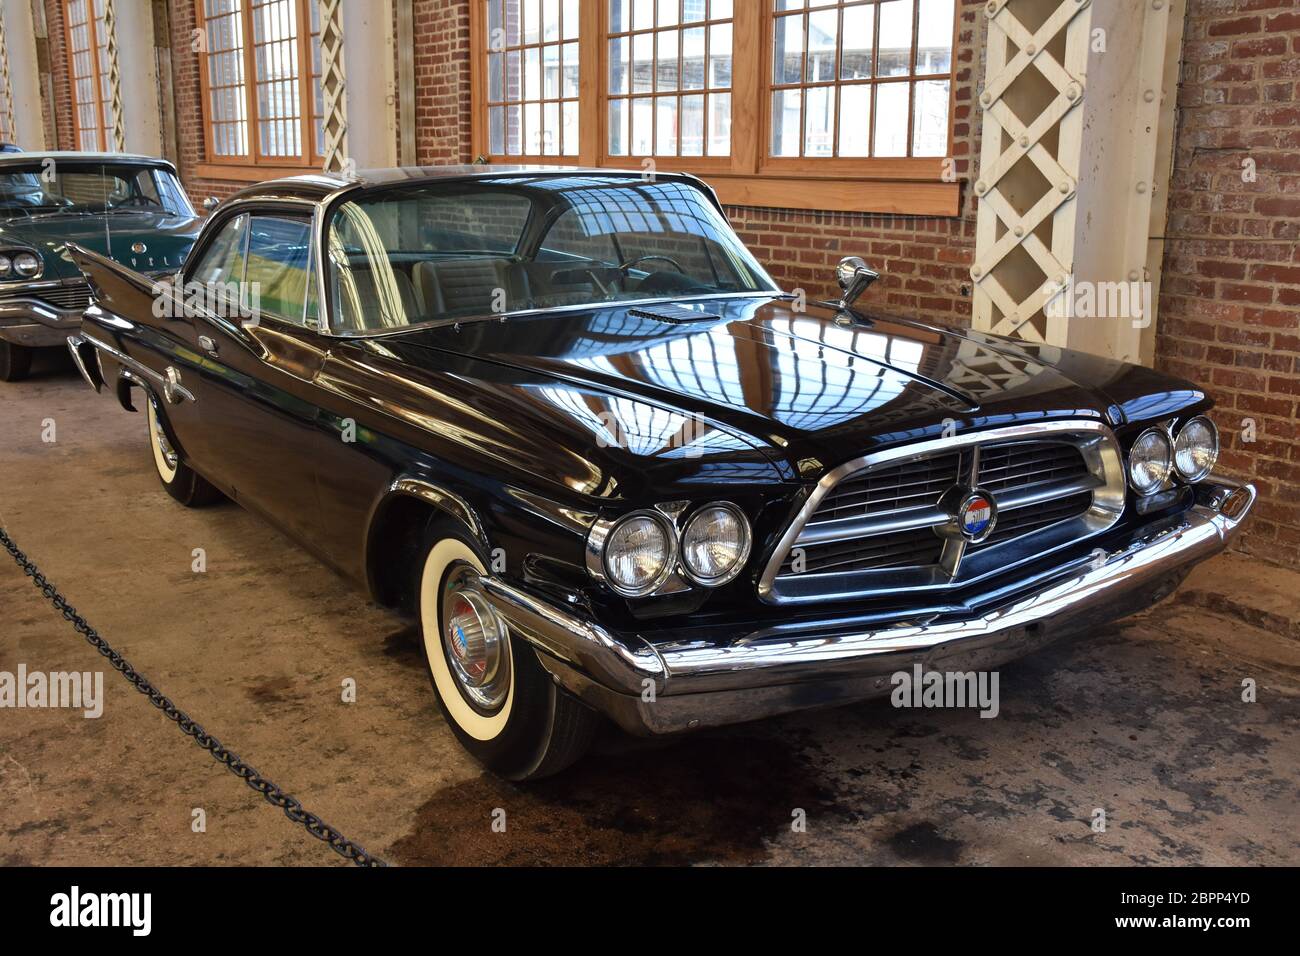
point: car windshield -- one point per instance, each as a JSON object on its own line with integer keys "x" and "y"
{"x": 54, "y": 186}
{"x": 413, "y": 254}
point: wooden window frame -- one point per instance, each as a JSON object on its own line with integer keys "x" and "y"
{"x": 256, "y": 166}
{"x": 749, "y": 177}
{"x": 96, "y": 77}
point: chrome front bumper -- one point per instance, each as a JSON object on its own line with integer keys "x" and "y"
{"x": 676, "y": 685}
{"x": 36, "y": 324}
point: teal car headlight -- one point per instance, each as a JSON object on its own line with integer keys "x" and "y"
{"x": 27, "y": 265}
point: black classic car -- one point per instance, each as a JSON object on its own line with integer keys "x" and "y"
{"x": 130, "y": 208}
{"x": 567, "y": 420}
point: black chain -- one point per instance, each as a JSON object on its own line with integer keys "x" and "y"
{"x": 273, "y": 794}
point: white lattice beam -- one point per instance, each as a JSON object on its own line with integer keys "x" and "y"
{"x": 1053, "y": 69}
{"x": 116, "y": 126}
{"x": 333, "y": 82}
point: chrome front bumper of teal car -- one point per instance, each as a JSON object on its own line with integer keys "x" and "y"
{"x": 676, "y": 684}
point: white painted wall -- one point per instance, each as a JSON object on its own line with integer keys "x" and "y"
{"x": 369, "y": 98}
{"x": 141, "y": 118}
{"x": 24, "y": 78}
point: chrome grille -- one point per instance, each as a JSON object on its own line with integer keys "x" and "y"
{"x": 886, "y": 522}
{"x": 71, "y": 296}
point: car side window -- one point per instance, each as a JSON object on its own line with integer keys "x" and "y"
{"x": 222, "y": 262}
{"x": 278, "y": 275}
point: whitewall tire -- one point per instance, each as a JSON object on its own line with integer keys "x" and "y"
{"x": 497, "y": 698}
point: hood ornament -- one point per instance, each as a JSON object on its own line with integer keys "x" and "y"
{"x": 853, "y": 275}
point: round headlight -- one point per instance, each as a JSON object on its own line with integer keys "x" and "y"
{"x": 1197, "y": 449}
{"x": 715, "y": 544}
{"x": 1149, "y": 461}
{"x": 638, "y": 554}
{"x": 6, "y": 266}
{"x": 27, "y": 265}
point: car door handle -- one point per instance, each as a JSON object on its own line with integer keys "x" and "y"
{"x": 208, "y": 345}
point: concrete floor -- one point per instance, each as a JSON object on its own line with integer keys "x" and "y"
{"x": 1144, "y": 720}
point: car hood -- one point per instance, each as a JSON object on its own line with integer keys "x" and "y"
{"x": 811, "y": 390}
{"x": 167, "y": 239}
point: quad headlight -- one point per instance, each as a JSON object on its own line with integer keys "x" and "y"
{"x": 1150, "y": 461}
{"x": 1196, "y": 450}
{"x": 27, "y": 265}
{"x": 638, "y": 554}
{"x": 715, "y": 544}
{"x": 6, "y": 267}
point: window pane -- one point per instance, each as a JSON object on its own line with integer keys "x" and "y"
{"x": 720, "y": 124}
{"x": 823, "y": 29}
{"x": 693, "y": 10}
{"x": 857, "y": 42}
{"x": 276, "y": 275}
{"x": 572, "y": 70}
{"x": 497, "y": 130}
{"x": 819, "y": 122}
{"x": 934, "y": 37}
{"x": 618, "y": 16}
{"x": 642, "y": 126}
{"x": 692, "y": 125}
{"x": 891, "y": 119}
{"x": 643, "y": 45}
{"x": 667, "y": 16}
{"x": 693, "y": 59}
{"x": 930, "y": 120}
{"x": 787, "y": 50}
{"x": 666, "y": 126}
{"x": 666, "y": 74}
{"x": 643, "y": 14}
{"x": 855, "y": 120}
{"x": 571, "y": 128}
{"x": 618, "y": 127}
{"x": 895, "y": 38}
{"x": 785, "y": 122}
{"x": 618, "y": 65}
{"x": 720, "y": 55}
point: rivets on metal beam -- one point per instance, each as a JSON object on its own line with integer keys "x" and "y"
{"x": 1024, "y": 142}
{"x": 1141, "y": 187}
{"x": 1019, "y": 231}
{"x": 1149, "y": 96}
{"x": 1031, "y": 49}
{"x": 976, "y": 272}
{"x": 1157, "y": 4}
{"x": 1064, "y": 187}
{"x": 986, "y": 98}
{"x": 981, "y": 187}
{"x": 1132, "y": 275}
{"x": 1073, "y": 91}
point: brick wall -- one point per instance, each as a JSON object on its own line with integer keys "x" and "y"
{"x": 442, "y": 82}
{"x": 1230, "y": 296}
{"x": 65, "y": 132}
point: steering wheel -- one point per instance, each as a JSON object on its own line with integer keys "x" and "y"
{"x": 624, "y": 266}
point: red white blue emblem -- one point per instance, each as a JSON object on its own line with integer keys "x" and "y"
{"x": 976, "y": 517}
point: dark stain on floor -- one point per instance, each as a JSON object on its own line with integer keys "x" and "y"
{"x": 923, "y": 843}
{"x": 709, "y": 799}
{"x": 405, "y": 645}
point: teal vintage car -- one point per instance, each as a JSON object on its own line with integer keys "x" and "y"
{"x": 129, "y": 208}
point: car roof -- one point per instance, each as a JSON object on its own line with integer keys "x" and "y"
{"x": 26, "y": 158}
{"x": 318, "y": 186}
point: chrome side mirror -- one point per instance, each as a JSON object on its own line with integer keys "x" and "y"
{"x": 211, "y": 203}
{"x": 853, "y": 275}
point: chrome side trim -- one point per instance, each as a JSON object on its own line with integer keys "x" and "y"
{"x": 1101, "y": 450}
{"x": 139, "y": 372}
{"x": 441, "y": 499}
